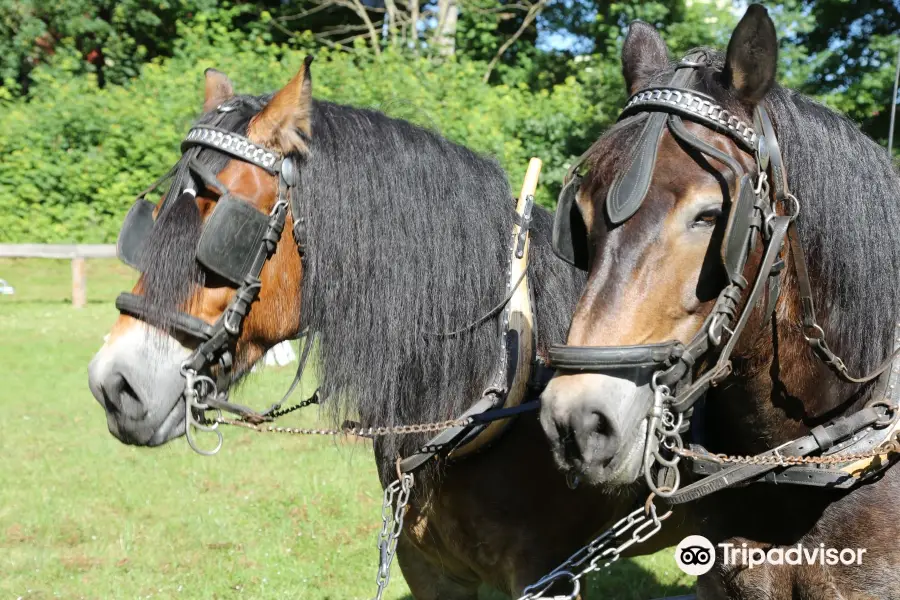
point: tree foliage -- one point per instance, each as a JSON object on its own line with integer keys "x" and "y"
{"x": 95, "y": 95}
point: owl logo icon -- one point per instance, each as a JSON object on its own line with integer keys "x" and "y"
{"x": 695, "y": 555}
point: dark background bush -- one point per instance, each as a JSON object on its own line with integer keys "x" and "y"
{"x": 96, "y": 96}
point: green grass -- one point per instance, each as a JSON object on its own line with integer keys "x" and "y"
{"x": 82, "y": 516}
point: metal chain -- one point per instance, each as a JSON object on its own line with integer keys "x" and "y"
{"x": 642, "y": 524}
{"x": 663, "y": 437}
{"x": 392, "y": 514}
{"x": 302, "y": 404}
{"x": 354, "y": 429}
{"x": 891, "y": 446}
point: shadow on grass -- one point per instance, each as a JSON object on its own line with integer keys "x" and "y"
{"x": 628, "y": 580}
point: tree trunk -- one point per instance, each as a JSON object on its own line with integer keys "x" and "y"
{"x": 445, "y": 35}
{"x": 414, "y": 24}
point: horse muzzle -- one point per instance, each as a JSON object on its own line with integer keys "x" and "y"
{"x": 596, "y": 426}
{"x": 136, "y": 379}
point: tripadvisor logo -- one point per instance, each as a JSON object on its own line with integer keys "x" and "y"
{"x": 695, "y": 555}
{"x": 792, "y": 555}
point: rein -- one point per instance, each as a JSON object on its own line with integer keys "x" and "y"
{"x": 762, "y": 208}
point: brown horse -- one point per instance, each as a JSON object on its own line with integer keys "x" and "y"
{"x": 697, "y": 209}
{"x": 403, "y": 235}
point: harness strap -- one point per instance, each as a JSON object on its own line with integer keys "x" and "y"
{"x": 135, "y": 306}
{"x": 737, "y": 474}
{"x": 685, "y": 399}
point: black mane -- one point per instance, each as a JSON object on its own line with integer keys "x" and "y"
{"x": 409, "y": 236}
{"x": 849, "y": 194}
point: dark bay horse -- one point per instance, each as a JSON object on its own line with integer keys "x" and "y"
{"x": 405, "y": 234}
{"x": 691, "y": 220}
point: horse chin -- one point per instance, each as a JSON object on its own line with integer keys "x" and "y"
{"x": 145, "y": 433}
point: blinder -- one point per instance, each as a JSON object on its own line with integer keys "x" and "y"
{"x": 735, "y": 243}
{"x": 666, "y": 106}
{"x": 231, "y": 234}
{"x": 569, "y": 238}
{"x": 230, "y": 239}
{"x": 135, "y": 229}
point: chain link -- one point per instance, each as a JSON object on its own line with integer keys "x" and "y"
{"x": 354, "y": 429}
{"x": 392, "y": 514}
{"x": 888, "y": 447}
{"x": 286, "y": 411}
{"x": 642, "y": 524}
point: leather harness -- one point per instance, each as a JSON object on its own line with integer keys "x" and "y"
{"x": 235, "y": 244}
{"x": 755, "y": 213}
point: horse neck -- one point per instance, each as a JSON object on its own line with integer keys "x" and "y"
{"x": 847, "y": 189}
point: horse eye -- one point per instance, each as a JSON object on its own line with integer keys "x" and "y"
{"x": 707, "y": 217}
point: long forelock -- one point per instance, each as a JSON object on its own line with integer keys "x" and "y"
{"x": 171, "y": 274}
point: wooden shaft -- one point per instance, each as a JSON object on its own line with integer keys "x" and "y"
{"x": 520, "y": 321}
{"x": 530, "y": 184}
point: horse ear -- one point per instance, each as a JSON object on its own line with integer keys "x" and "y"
{"x": 287, "y": 115}
{"x": 218, "y": 89}
{"x": 643, "y": 53}
{"x": 752, "y": 58}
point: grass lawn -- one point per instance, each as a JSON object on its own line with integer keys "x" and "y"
{"x": 83, "y": 516}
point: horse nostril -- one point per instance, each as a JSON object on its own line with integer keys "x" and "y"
{"x": 121, "y": 398}
{"x": 110, "y": 401}
{"x": 595, "y": 436}
{"x": 571, "y": 450}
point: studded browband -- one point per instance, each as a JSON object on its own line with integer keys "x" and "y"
{"x": 233, "y": 144}
{"x": 695, "y": 106}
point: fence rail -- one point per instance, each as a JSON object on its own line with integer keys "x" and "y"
{"x": 77, "y": 253}
{"x": 57, "y": 251}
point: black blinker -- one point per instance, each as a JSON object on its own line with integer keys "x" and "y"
{"x": 570, "y": 241}
{"x": 134, "y": 233}
{"x": 232, "y": 238}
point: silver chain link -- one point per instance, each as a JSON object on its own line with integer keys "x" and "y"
{"x": 642, "y": 523}
{"x": 662, "y": 437}
{"x": 392, "y": 514}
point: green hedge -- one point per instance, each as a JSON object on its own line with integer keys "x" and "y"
{"x": 74, "y": 155}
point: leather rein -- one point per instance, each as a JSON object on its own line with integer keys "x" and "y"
{"x": 763, "y": 209}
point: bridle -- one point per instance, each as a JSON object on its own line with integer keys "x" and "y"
{"x": 763, "y": 209}
{"x": 236, "y": 241}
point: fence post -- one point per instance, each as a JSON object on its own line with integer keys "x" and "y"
{"x": 79, "y": 282}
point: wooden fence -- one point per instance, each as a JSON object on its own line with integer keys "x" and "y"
{"x": 77, "y": 253}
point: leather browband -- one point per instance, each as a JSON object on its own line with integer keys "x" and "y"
{"x": 231, "y": 143}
